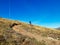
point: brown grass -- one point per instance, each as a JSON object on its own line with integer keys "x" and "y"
{"x": 23, "y": 31}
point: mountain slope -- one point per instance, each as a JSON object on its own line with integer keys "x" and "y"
{"x": 26, "y": 34}
{"x": 58, "y": 28}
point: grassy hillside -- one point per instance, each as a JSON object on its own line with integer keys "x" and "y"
{"x": 21, "y": 34}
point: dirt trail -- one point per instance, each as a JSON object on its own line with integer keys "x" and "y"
{"x": 24, "y": 32}
{"x": 37, "y": 37}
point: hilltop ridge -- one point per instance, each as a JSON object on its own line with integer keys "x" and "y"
{"x": 22, "y": 33}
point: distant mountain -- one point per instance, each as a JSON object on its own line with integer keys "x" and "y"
{"x": 58, "y": 28}
{"x": 14, "y": 32}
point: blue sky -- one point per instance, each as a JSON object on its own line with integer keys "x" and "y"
{"x": 40, "y": 12}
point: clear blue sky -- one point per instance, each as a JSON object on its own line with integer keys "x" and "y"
{"x": 40, "y": 12}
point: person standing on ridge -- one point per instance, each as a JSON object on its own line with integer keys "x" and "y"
{"x": 30, "y": 23}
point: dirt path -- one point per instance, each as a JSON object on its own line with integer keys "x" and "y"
{"x": 37, "y": 37}
{"x": 24, "y": 32}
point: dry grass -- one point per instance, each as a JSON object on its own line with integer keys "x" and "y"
{"x": 47, "y": 36}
